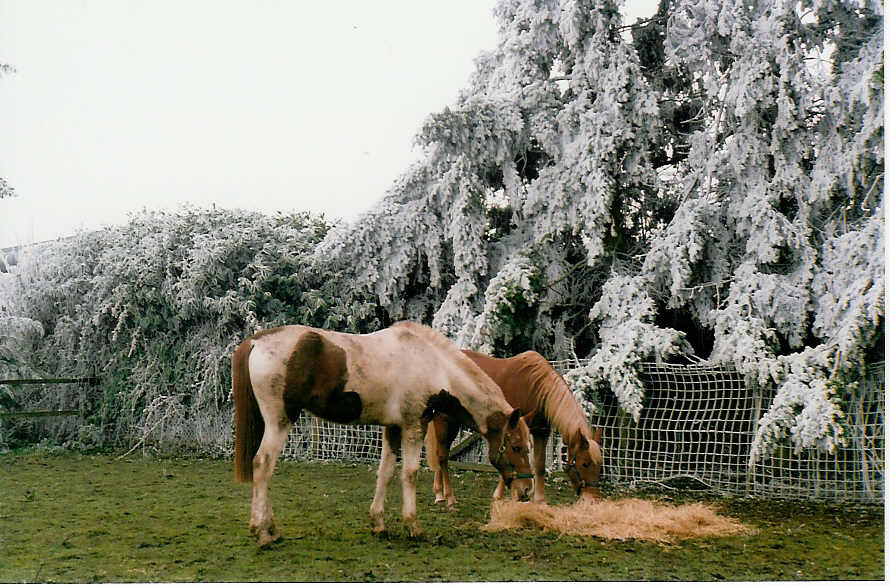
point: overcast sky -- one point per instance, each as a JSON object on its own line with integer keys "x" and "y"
{"x": 118, "y": 105}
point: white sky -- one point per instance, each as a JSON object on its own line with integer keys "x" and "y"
{"x": 119, "y": 105}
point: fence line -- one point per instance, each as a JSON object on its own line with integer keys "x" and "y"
{"x": 695, "y": 432}
{"x": 41, "y": 418}
{"x": 92, "y": 380}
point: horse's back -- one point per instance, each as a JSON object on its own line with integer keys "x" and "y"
{"x": 390, "y": 371}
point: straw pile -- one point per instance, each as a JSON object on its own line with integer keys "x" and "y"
{"x": 619, "y": 519}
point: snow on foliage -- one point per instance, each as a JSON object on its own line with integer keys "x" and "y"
{"x": 510, "y": 294}
{"x": 625, "y": 312}
{"x": 849, "y": 291}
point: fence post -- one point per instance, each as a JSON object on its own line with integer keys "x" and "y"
{"x": 750, "y": 476}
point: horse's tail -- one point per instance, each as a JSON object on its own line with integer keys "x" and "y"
{"x": 432, "y": 447}
{"x": 249, "y": 424}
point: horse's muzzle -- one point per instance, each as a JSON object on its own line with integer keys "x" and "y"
{"x": 522, "y": 487}
{"x": 590, "y": 495}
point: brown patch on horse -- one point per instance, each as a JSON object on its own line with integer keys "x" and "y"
{"x": 315, "y": 377}
{"x": 444, "y": 403}
{"x": 394, "y": 437}
{"x": 495, "y": 421}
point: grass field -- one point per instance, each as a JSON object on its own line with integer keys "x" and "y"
{"x": 67, "y": 517}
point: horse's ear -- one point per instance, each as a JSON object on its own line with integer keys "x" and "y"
{"x": 580, "y": 440}
{"x": 598, "y": 435}
{"x": 514, "y": 417}
{"x": 529, "y": 416}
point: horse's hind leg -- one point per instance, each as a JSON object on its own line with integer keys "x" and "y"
{"x": 441, "y": 478}
{"x": 446, "y": 485}
{"x": 445, "y": 450}
{"x": 262, "y": 520}
{"x": 437, "y": 487}
{"x": 391, "y": 440}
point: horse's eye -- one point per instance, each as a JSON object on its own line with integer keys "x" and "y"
{"x": 517, "y": 449}
{"x": 587, "y": 464}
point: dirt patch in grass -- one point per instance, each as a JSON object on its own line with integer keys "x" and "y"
{"x": 67, "y": 517}
{"x": 622, "y": 519}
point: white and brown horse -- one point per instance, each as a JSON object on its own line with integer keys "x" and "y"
{"x": 531, "y": 384}
{"x": 399, "y": 377}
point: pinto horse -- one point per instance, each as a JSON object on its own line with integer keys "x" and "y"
{"x": 399, "y": 377}
{"x": 532, "y": 385}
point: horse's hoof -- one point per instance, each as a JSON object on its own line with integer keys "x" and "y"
{"x": 452, "y": 506}
{"x": 414, "y": 531}
{"x": 377, "y": 526}
{"x": 267, "y": 537}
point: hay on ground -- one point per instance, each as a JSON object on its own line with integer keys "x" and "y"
{"x": 619, "y": 519}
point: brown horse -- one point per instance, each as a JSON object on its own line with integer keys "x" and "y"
{"x": 399, "y": 377}
{"x": 531, "y": 384}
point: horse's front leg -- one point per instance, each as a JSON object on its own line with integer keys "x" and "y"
{"x": 441, "y": 477}
{"x": 499, "y": 491}
{"x": 391, "y": 439}
{"x": 412, "y": 443}
{"x": 262, "y": 520}
{"x": 540, "y": 451}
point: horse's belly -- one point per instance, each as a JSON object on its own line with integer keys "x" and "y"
{"x": 379, "y": 409}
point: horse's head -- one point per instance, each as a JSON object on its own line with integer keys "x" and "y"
{"x": 584, "y": 463}
{"x": 508, "y": 450}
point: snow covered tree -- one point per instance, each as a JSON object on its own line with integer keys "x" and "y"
{"x": 708, "y": 181}
{"x": 543, "y": 160}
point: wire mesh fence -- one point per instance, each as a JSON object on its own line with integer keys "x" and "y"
{"x": 854, "y": 473}
{"x": 313, "y": 438}
{"x": 694, "y": 433}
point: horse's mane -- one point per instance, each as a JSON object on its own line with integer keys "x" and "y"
{"x": 553, "y": 396}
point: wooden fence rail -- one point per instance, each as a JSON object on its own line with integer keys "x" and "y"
{"x": 90, "y": 380}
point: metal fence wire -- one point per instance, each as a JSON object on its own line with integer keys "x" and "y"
{"x": 694, "y": 433}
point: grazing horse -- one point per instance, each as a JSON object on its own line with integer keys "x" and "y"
{"x": 399, "y": 377}
{"x": 531, "y": 384}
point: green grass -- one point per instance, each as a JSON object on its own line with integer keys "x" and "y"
{"x": 67, "y": 517}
